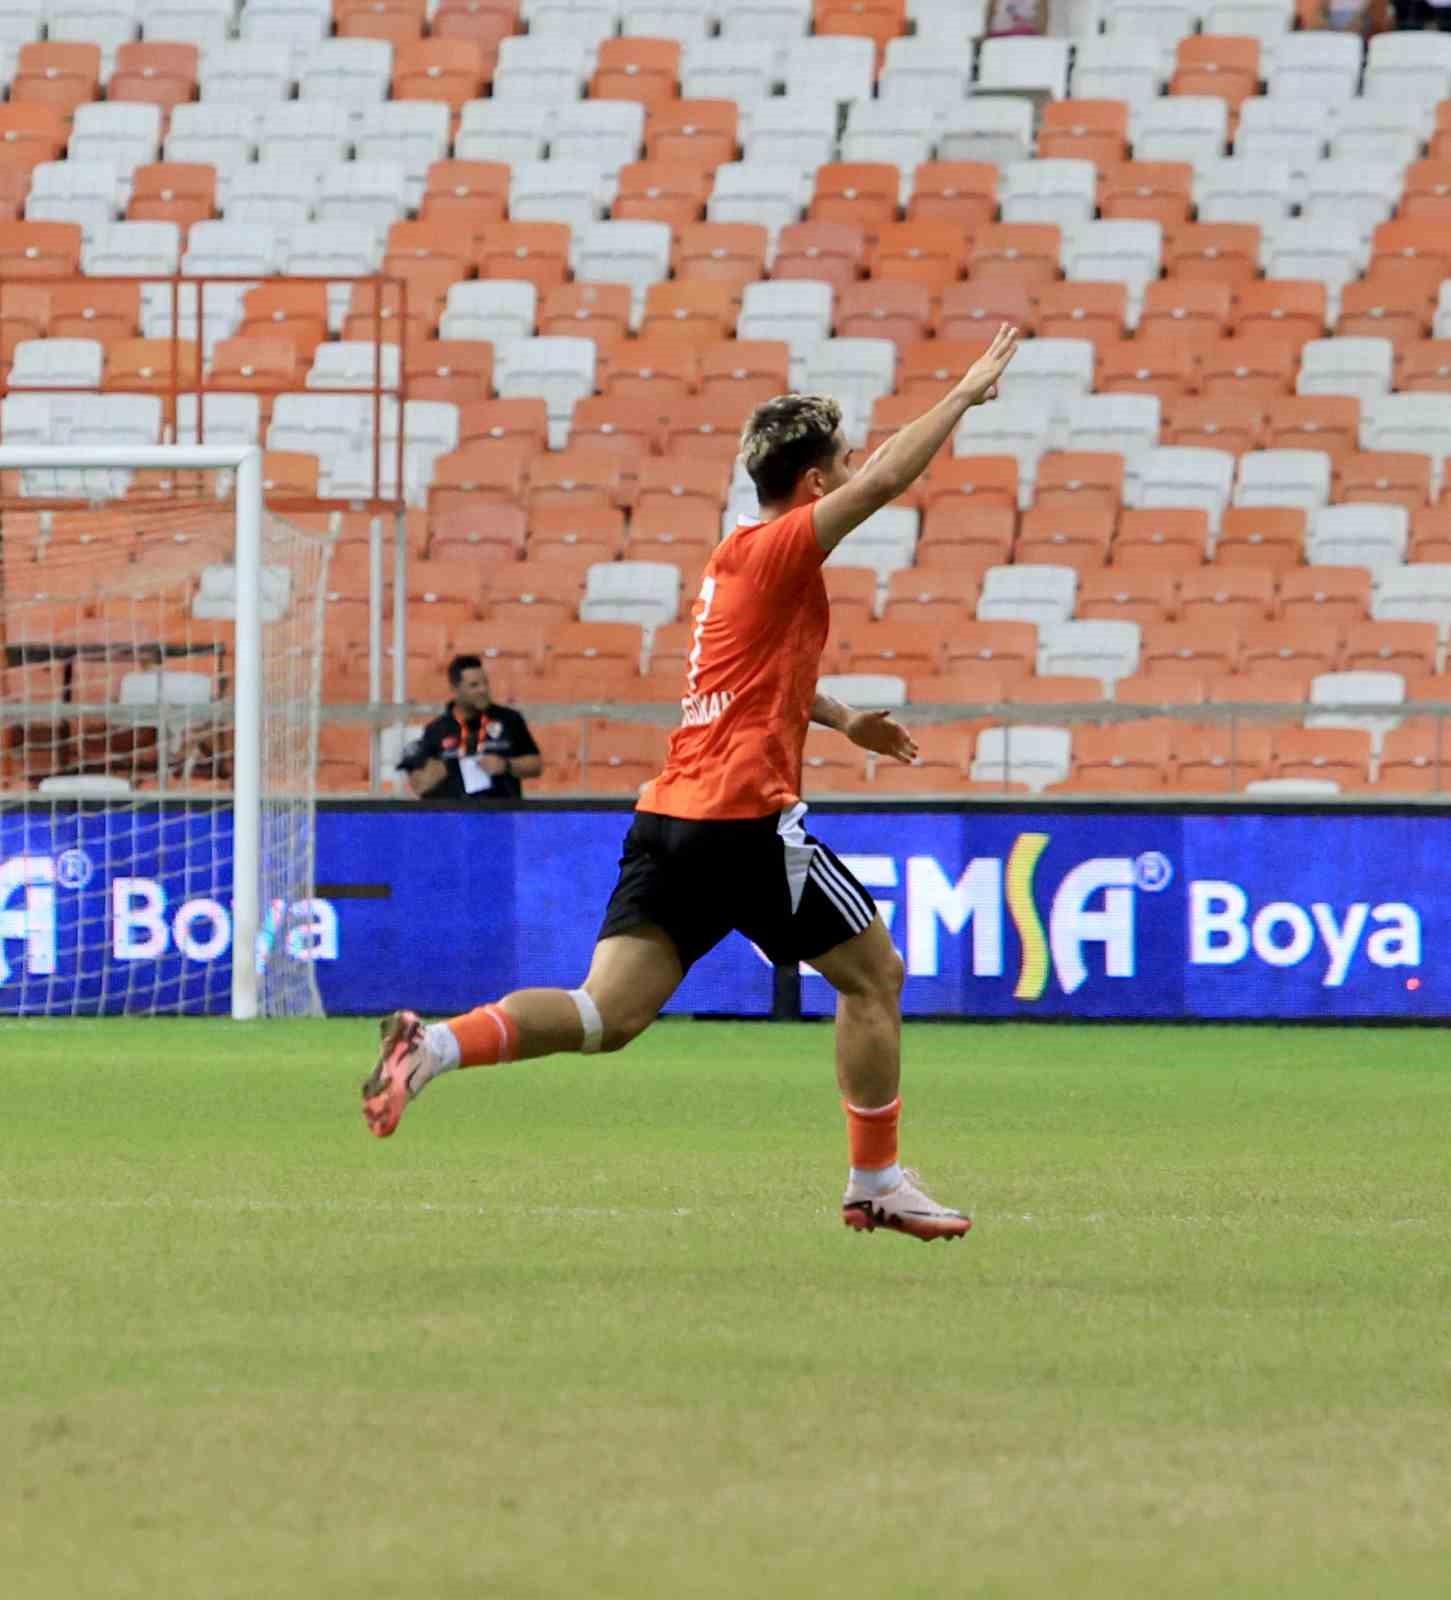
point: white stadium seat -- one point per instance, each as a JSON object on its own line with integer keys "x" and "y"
{"x": 1245, "y": 189}
{"x": 218, "y": 418}
{"x": 1181, "y": 127}
{"x": 414, "y": 133}
{"x": 350, "y": 73}
{"x": 791, "y": 132}
{"x": 83, "y": 192}
{"x": 231, "y": 250}
{"x": 362, "y": 191}
{"x": 1118, "y": 67}
{"x": 123, "y": 133}
{"x": 300, "y": 24}
{"x": 781, "y": 22}
{"x": 574, "y": 192}
{"x": 740, "y": 69}
{"x": 132, "y": 249}
{"x": 605, "y": 134}
{"x": 886, "y": 542}
{"x": 278, "y": 192}
{"x": 920, "y": 72}
{"x": 995, "y": 129}
{"x": 1358, "y": 536}
{"x": 545, "y": 70}
{"x": 1317, "y": 65}
{"x": 495, "y": 309}
{"x": 647, "y": 592}
{"x": 1414, "y": 422}
{"x": 1059, "y": 191}
{"x": 1346, "y": 690}
{"x": 1417, "y": 593}
{"x": 1042, "y": 64}
{"x": 1180, "y": 475}
{"x": 350, "y": 364}
{"x": 306, "y": 133}
{"x": 1283, "y": 478}
{"x": 1108, "y": 650}
{"x": 1033, "y": 592}
{"x": 200, "y": 22}
{"x": 1409, "y": 67}
{"x": 896, "y": 131}
{"x": 251, "y": 73}
{"x": 632, "y": 252}
{"x": 503, "y": 130}
{"x": 1346, "y": 366}
{"x": 1025, "y": 753}
{"x": 562, "y": 371}
{"x": 220, "y": 135}
{"x": 57, "y": 364}
{"x": 836, "y": 66}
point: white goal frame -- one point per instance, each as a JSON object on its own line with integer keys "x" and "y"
{"x": 246, "y": 462}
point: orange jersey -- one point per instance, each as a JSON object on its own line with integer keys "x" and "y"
{"x": 760, "y": 625}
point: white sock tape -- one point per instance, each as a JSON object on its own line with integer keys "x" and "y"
{"x": 590, "y": 1020}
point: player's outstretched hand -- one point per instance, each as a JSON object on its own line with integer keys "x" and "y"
{"x": 878, "y": 732}
{"x": 980, "y": 382}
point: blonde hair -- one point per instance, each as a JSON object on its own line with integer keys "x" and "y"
{"x": 784, "y": 438}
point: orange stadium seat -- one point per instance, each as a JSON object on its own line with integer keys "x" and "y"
{"x": 482, "y": 470}
{"x": 1151, "y": 191}
{"x": 1273, "y": 682}
{"x": 1166, "y": 688}
{"x": 878, "y": 20}
{"x": 1325, "y": 597}
{"x": 1055, "y": 689}
{"x": 658, "y": 373}
{"x": 832, "y": 765}
{"x": 596, "y": 642}
{"x": 676, "y": 484}
{"x": 1405, "y": 647}
{"x": 524, "y": 419}
{"x": 1256, "y": 372}
{"x": 748, "y": 370}
{"x": 1381, "y": 310}
{"x": 673, "y": 192}
{"x": 279, "y": 309}
{"x": 1328, "y": 422}
{"x": 1426, "y": 192}
{"x": 1224, "y": 65}
{"x": 889, "y": 414}
{"x": 421, "y": 290}
{"x": 81, "y": 310}
{"x": 1206, "y": 648}
{"x": 381, "y": 19}
{"x": 488, "y": 531}
{"x": 1062, "y": 533}
{"x": 257, "y": 364}
{"x": 1010, "y": 649}
{"x": 1404, "y": 248}
{"x": 290, "y": 475}
{"x": 173, "y": 191}
{"x": 578, "y": 476}
{"x": 1193, "y": 310}
{"x": 559, "y": 532}
{"x": 32, "y": 133}
{"x": 15, "y": 179}
{"x": 532, "y": 252}
{"x": 1221, "y": 252}
{"x": 967, "y": 535}
{"x": 698, "y": 133}
{"x": 450, "y": 70}
{"x": 26, "y": 312}
{"x": 833, "y": 252}
{"x": 56, "y": 74}
{"x": 620, "y": 756}
{"x": 635, "y": 68}
{"x": 1416, "y": 756}
{"x": 487, "y": 21}
{"x": 705, "y": 427}
{"x": 905, "y": 649}
{"x": 1122, "y": 750}
{"x": 1160, "y": 364}
{"x": 153, "y": 366}
{"x": 876, "y": 309}
{"x": 1124, "y": 595}
{"x": 1085, "y": 119}
{"x": 465, "y": 195}
{"x": 668, "y": 526}
{"x": 727, "y": 252}
{"x": 1385, "y": 477}
{"x": 454, "y": 370}
{"x": 1213, "y": 422}
{"x": 602, "y": 422}
{"x": 429, "y": 239}
{"x": 1436, "y": 686}
{"x": 1425, "y": 367}
{"x": 1240, "y": 595}
{"x": 951, "y": 480}
{"x": 1215, "y": 757}
{"x": 932, "y": 597}
{"x": 1341, "y": 754}
{"x": 1271, "y": 538}
{"x": 977, "y": 308}
{"x": 1097, "y": 312}
{"x": 154, "y": 73}
{"x": 1026, "y": 252}
{"x": 852, "y": 592}
{"x": 598, "y": 311}
{"x": 932, "y": 253}
{"x": 701, "y": 313}
{"x": 1430, "y": 533}
{"x": 930, "y": 365}
{"x": 862, "y": 194}
{"x": 1080, "y": 479}
{"x": 1288, "y": 309}
{"x": 1314, "y": 645}
{"x": 545, "y": 593}
{"x": 40, "y": 250}
{"x": 960, "y": 192}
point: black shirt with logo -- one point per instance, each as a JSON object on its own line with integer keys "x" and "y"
{"x": 497, "y": 731}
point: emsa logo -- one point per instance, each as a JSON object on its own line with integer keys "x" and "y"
{"x": 1093, "y": 904}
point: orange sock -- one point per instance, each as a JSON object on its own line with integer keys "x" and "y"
{"x": 872, "y": 1135}
{"x": 486, "y": 1036}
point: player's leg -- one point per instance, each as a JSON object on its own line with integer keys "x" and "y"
{"x": 631, "y": 976}
{"x": 866, "y": 972}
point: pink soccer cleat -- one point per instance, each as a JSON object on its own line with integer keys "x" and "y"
{"x": 906, "y": 1209}
{"x": 388, "y": 1090}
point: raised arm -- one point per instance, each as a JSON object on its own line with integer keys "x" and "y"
{"x": 903, "y": 458}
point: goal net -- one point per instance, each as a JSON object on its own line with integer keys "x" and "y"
{"x": 162, "y": 648}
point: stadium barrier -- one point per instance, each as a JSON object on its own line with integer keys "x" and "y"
{"x": 1004, "y": 909}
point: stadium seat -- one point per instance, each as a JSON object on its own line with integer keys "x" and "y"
{"x": 886, "y": 541}
{"x": 1339, "y": 754}
{"x": 1214, "y": 422}
{"x": 1256, "y": 372}
{"x": 1148, "y": 191}
{"x": 906, "y": 649}
{"x": 1284, "y": 478}
{"x": 1257, "y": 188}
{"x": 1216, "y": 757}
{"x": 1167, "y": 538}
{"x": 1387, "y": 477}
{"x": 1220, "y": 252}
{"x": 1329, "y": 596}
{"x": 1315, "y": 422}
{"x": 1127, "y": 424}
{"x": 1061, "y": 192}
{"x": 1316, "y": 65}
{"x": 920, "y": 72}
{"x": 1037, "y": 594}
{"x": 1421, "y": 593}
{"x": 125, "y": 133}
{"x": 1102, "y": 650}
{"x": 1158, "y": 364}
{"x": 545, "y": 69}
{"x": 179, "y": 192}
{"x": 1407, "y": 648}
{"x": 1310, "y": 646}
{"x": 1125, "y": 595}
{"x": 1408, "y": 70}
{"x": 1119, "y": 66}
{"x": 1036, "y": 756}
{"x": 1191, "y": 128}
{"x": 700, "y": 133}
{"x": 657, "y": 372}
{"x": 1270, "y": 538}
{"x": 960, "y": 192}
{"x": 988, "y": 129}
{"x": 1396, "y": 312}
{"x": 917, "y": 597}
{"x": 1425, "y": 367}
{"x": 1222, "y": 593}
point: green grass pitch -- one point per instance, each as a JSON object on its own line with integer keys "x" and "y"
{"x": 594, "y": 1329}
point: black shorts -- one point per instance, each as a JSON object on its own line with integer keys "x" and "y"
{"x": 765, "y": 877}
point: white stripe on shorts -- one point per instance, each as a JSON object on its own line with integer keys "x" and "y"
{"x": 853, "y": 889}
{"x": 839, "y": 892}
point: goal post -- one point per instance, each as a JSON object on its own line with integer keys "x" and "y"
{"x": 256, "y": 720}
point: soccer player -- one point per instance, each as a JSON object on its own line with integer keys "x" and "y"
{"x": 718, "y": 841}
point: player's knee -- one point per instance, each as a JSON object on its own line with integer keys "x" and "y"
{"x": 620, "y": 1023}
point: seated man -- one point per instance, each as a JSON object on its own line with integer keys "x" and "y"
{"x": 475, "y": 750}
